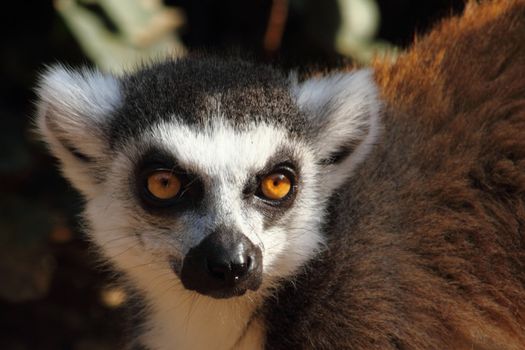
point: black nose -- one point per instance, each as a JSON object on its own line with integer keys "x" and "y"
{"x": 224, "y": 264}
{"x": 229, "y": 268}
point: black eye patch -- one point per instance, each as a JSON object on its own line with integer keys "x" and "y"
{"x": 283, "y": 161}
{"x": 191, "y": 192}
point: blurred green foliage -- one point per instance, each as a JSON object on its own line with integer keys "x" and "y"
{"x": 144, "y": 29}
{"x": 356, "y": 37}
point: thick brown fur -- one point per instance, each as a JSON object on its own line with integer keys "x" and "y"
{"x": 432, "y": 252}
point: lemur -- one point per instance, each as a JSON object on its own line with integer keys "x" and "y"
{"x": 381, "y": 208}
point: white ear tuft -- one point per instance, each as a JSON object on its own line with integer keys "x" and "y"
{"x": 72, "y": 109}
{"x": 342, "y": 111}
{"x": 87, "y": 93}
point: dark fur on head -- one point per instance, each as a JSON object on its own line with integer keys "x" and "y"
{"x": 202, "y": 86}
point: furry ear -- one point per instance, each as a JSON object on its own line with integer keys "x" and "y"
{"x": 72, "y": 109}
{"x": 342, "y": 112}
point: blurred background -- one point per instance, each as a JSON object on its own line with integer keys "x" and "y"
{"x": 52, "y": 294}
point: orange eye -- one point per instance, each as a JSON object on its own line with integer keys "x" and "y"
{"x": 276, "y": 186}
{"x": 163, "y": 184}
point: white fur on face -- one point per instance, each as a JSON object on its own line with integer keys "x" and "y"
{"x": 228, "y": 158}
{"x": 224, "y": 157}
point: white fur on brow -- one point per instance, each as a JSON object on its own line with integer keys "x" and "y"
{"x": 70, "y": 109}
{"x": 341, "y": 107}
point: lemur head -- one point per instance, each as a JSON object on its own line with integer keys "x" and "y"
{"x": 209, "y": 173}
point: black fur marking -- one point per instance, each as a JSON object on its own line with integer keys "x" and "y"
{"x": 345, "y": 150}
{"x": 339, "y": 155}
{"x": 192, "y": 191}
{"x": 51, "y": 124}
{"x": 197, "y": 89}
{"x": 74, "y": 151}
{"x": 282, "y": 160}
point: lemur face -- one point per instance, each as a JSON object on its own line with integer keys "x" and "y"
{"x": 220, "y": 206}
{"x": 212, "y": 175}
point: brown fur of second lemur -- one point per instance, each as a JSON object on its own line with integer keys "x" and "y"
{"x": 432, "y": 252}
